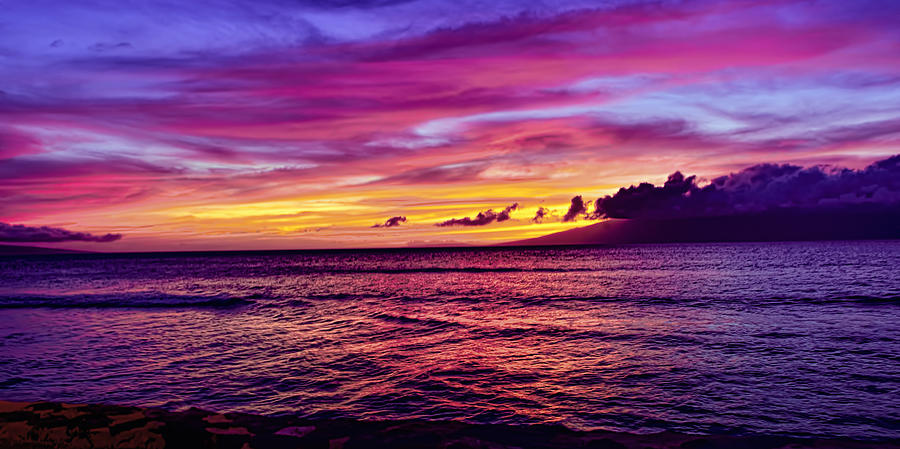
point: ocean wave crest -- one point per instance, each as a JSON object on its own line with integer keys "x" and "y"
{"x": 136, "y": 300}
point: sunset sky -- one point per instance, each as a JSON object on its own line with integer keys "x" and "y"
{"x": 219, "y": 124}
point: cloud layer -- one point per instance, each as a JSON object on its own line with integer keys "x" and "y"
{"x": 45, "y": 234}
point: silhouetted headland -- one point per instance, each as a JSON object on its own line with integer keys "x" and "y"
{"x": 769, "y": 227}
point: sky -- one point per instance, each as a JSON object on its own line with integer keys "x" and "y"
{"x": 277, "y": 124}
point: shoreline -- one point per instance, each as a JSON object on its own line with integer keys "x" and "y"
{"x": 52, "y": 424}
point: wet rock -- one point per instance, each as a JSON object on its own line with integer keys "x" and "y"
{"x": 296, "y": 431}
{"x": 217, "y": 419}
{"x": 51, "y": 425}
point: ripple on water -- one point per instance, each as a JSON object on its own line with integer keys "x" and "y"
{"x": 793, "y": 338}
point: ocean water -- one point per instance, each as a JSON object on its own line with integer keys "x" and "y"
{"x": 785, "y": 338}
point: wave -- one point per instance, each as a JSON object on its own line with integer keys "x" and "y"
{"x": 403, "y": 319}
{"x": 528, "y": 300}
{"x": 222, "y": 300}
{"x": 835, "y": 299}
{"x": 442, "y": 270}
{"x": 122, "y": 300}
{"x": 867, "y": 299}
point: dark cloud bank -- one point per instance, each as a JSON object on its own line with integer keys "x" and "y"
{"x": 765, "y": 202}
{"x": 483, "y": 218}
{"x": 762, "y": 188}
{"x": 46, "y": 234}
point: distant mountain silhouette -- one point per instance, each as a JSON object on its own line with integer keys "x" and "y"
{"x": 17, "y": 250}
{"x": 784, "y": 226}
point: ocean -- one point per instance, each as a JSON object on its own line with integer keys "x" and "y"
{"x": 799, "y": 339}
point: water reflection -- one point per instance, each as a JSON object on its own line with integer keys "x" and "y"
{"x": 792, "y": 338}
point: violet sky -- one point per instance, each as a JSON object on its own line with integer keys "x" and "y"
{"x": 216, "y": 124}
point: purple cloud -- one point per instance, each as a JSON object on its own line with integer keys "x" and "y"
{"x": 760, "y": 189}
{"x": 22, "y": 233}
{"x": 391, "y": 222}
{"x": 575, "y": 209}
{"x": 540, "y": 215}
{"x": 483, "y": 218}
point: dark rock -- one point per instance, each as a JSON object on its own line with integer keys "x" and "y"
{"x": 49, "y": 425}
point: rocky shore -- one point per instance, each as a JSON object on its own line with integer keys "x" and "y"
{"x": 52, "y": 425}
